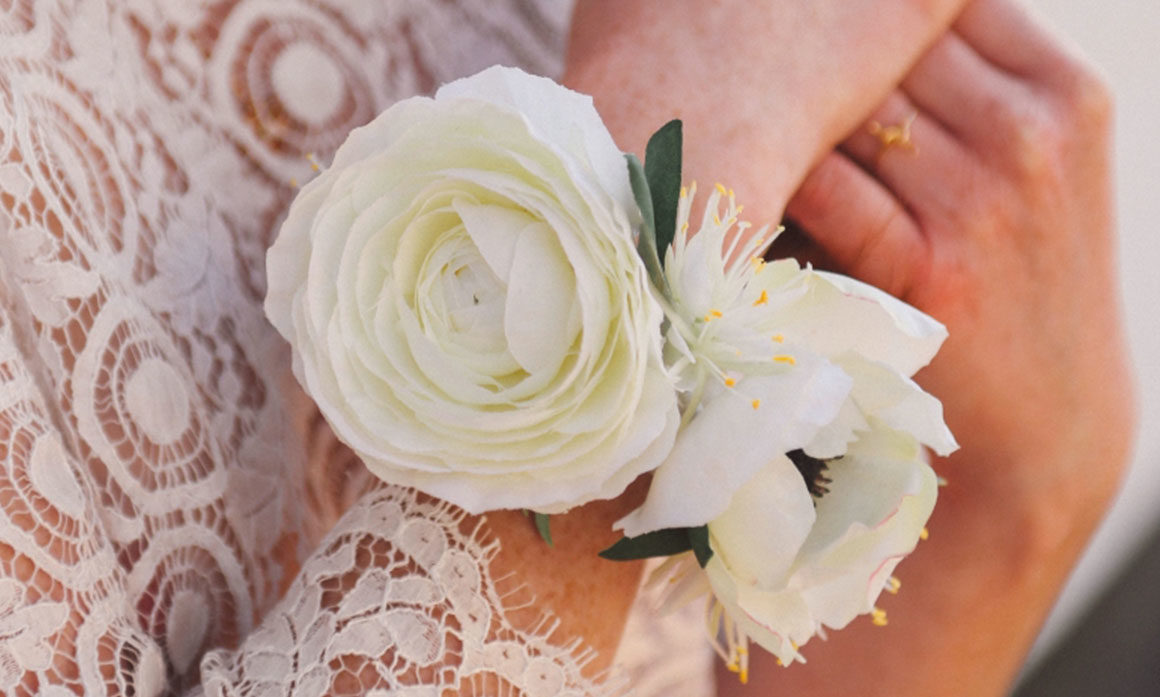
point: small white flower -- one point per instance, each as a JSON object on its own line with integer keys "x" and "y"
{"x": 783, "y": 570}
{"x": 466, "y": 305}
{"x": 775, "y": 360}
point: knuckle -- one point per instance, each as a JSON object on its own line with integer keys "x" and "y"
{"x": 889, "y": 249}
{"x": 1036, "y": 143}
{"x": 818, "y": 193}
{"x": 1086, "y": 100}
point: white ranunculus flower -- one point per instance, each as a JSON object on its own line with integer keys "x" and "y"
{"x": 772, "y": 358}
{"x": 465, "y": 302}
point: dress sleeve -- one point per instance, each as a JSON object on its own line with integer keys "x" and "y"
{"x": 398, "y": 600}
{"x": 66, "y": 626}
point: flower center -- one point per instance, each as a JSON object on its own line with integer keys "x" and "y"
{"x": 465, "y": 296}
{"x": 813, "y": 471}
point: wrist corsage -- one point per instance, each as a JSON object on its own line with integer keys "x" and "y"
{"x": 491, "y": 303}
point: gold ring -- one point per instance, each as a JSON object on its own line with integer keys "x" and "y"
{"x": 893, "y": 136}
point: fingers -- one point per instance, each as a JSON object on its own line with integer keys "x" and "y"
{"x": 858, "y": 223}
{"x": 961, "y": 90}
{"x": 1003, "y": 33}
{"x": 907, "y": 151}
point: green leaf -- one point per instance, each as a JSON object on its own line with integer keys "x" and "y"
{"x": 699, "y": 539}
{"x": 662, "y": 170}
{"x": 658, "y": 543}
{"x": 543, "y": 526}
{"x": 646, "y": 245}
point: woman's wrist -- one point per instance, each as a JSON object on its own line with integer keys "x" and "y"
{"x": 764, "y": 89}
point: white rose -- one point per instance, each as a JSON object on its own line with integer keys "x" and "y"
{"x": 466, "y": 305}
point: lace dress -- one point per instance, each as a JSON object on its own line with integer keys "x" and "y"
{"x": 175, "y": 518}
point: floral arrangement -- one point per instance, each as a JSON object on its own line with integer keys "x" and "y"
{"x": 491, "y": 303}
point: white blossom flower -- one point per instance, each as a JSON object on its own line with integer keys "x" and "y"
{"x": 465, "y": 302}
{"x": 772, "y": 358}
{"x": 783, "y": 570}
{"x": 803, "y": 445}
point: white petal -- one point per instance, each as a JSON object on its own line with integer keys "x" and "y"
{"x": 563, "y": 118}
{"x": 288, "y": 258}
{"x": 881, "y": 496}
{"x": 834, "y": 438}
{"x": 495, "y": 231}
{"x": 840, "y": 314}
{"x": 730, "y": 440}
{"x": 898, "y": 402}
{"x": 654, "y": 428}
{"x": 540, "y": 301}
{"x": 767, "y": 521}
{"x": 772, "y": 620}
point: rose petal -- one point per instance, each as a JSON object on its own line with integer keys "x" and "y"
{"x": 555, "y": 115}
{"x": 540, "y": 301}
{"x": 495, "y": 230}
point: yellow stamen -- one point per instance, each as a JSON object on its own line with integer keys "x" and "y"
{"x": 684, "y": 192}
{"x": 924, "y": 534}
{"x": 762, "y": 299}
{"x": 782, "y": 358}
{"x": 893, "y": 584}
{"x": 779, "y": 662}
{"x": 730, "y": 193}
{"x": 756, "y": 403}
{"x": 878, "y": 617}
{"x": 740, "y": 209}
{"x": 745, "y": 676}
{"x": 720, "y": 188}
{"x": 730, "y": 382}
{"x": 778, "y": 339}
{"x": 294, "y": 182}
{"x": 716, "y": 219}
{"x": 684, "y": 227}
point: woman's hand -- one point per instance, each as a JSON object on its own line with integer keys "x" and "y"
{"x": 998, "y": 222}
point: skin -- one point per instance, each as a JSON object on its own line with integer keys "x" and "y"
{"x": 998, "y": 224}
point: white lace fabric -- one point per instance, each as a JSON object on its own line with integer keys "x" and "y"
{"x": 169, "y": 501}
